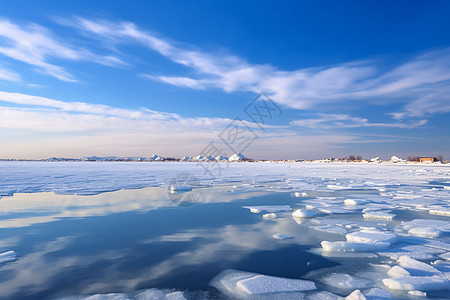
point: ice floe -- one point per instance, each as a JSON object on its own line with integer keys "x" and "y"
{"x": 270, "y": 216}
{"x": 7, "y": 256}
{"x": 417, "y": 268}
{"x": 354, "y": 201}
{"x": 371, "y": 236}
{"x": 341, "y": 246}
{"x": 268, "y": 208}
{"x": 440, "y": 212}
{"x": 378, "y": 215}
{"x": 246, "y": 285}
{"x": 263, "y": 284}
{"x": 356, "y": 295}
{"x": 420, "y": 283}
{"x": 417, "y": 293}
{"x": 345, "y": 281}
{"x": 426, "y": 228}
{"x": 377, "y": 294}
{"x": 149, "y": 294}
{"x": 280, "y": 236}
{"x": 397, "y": 271}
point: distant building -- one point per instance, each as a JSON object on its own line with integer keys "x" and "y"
{"x": 427, "y": 159}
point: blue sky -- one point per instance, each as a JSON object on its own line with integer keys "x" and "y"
{"x": 80, "y": 78}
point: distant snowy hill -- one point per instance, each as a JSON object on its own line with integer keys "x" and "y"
{"x": 237, "y": 157}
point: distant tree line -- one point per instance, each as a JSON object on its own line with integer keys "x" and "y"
{"x": 352, "y": 157}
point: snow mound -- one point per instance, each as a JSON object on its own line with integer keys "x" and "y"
{"x": 155, "y": 157}
{"x": 270, "y": 216}
{"x": 354, "y": 201}
{"x": 208, "y": 158}
{"x": 221, "y": 158}
{"x": 395, "y": 159}
{"x": 237, "y": 157}
{"x": 197, "y": 158}
{"x": 304, "y": 213}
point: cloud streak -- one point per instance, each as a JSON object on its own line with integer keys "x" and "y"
{"x": 330, "y": 121}
{"x": 421, "y": 80}
{"x": 37, "y": 46}
{"x": 45, "y": 127}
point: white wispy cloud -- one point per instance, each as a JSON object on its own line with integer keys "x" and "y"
{"x": 419, "y": 83}
{"x": 333, "y": 121}
{"x": 9, "y": 75}
{"x": 37, "y": 46}
{"x": 37, "y": 127}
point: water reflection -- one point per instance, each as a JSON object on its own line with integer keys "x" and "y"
{"x": 128, "y": 240}
{"x": 21, "y": 210}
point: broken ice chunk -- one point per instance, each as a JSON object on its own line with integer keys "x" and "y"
{"x": 270, "y": 216}
{"x": 417, "y": 268}
{"x": 370, "y": 236}
{"x": 300, "y": 194}
{"x": 246, "y": 285}
{"x": 417, "y": 293}
{"x": 281, "y": 236}
{"x": 304, "y": 213}
{"x": 354, "y": 201}
{"x": 324, "y": 295}
{"x": 356, "y": 295}
{"x": 377, "y": 294}
{"x": 439, "y": 212}
{"x": 397, "y": 271}
{"x": 7, "y": 256}
{"x": 426, "y": 232}
{"x": 378, "y": 215}
{"x": 268, "y": 208}
{"x": 353, "y": 247}
{"x": 263, "y": 284}
{"x": 443, "y": 226}
{"x": 421, "y": 283}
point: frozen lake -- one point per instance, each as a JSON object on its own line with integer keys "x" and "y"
{"x": 93, "y": 230}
